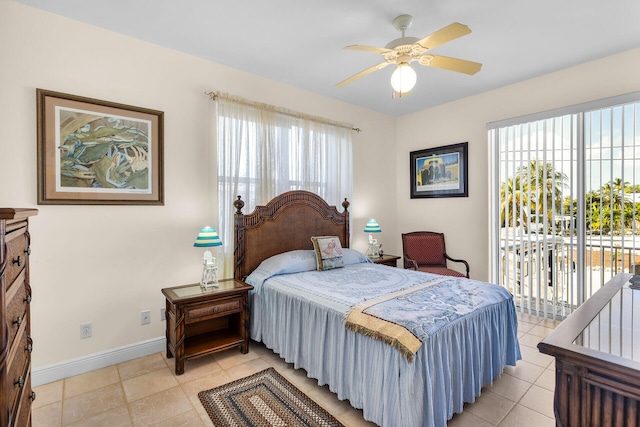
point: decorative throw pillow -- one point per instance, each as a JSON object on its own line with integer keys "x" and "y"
{"x": 328, "y": 252}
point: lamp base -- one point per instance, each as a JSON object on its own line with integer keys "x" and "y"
{"x": 209, "y": 276}
{"x": 373, "y": 251}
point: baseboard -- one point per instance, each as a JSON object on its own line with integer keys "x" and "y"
{"x": 51, "y": 373}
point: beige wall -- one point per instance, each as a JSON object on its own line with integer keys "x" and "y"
{"x": 465, "y": 220}
{"x": 105, "y": 264}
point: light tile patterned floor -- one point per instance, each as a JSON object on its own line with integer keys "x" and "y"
{"x": 145, "y": 391}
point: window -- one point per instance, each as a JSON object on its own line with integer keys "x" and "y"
{"x": 264, "y": 151}
{"x": 564, "y": 202}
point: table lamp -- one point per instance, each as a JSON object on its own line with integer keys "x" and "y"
{"x": 208, "y": 237}
{"x": 374, "y": 249}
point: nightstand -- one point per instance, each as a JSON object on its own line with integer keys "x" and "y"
{"x": 201, "y": 322}
{"x": 390, "y": 260}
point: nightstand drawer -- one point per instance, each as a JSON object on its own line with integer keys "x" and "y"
{"x": 199, "y": 312}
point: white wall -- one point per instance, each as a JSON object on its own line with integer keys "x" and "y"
{"x": 105, "y": 264}
{"x": 465, "y": 220}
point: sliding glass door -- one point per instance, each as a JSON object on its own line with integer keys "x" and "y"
{"x": 565, "y": 194}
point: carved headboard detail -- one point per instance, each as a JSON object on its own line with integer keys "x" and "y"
{"x": 286, "y": 223}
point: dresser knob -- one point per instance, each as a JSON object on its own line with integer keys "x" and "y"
{"x": 29, "y": 347}
{"x": 27, "y": 299}
{"x": 18, "y": 321}
{"x": 32, "y": 396}
{"x": 18, "y": 261}
{"x": 20, "y": 382}
{"x": 28, "y": 250}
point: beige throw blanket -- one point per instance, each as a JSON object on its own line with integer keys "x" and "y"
{"x": 383, "y": 330}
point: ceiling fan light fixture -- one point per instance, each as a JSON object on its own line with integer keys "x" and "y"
{"x": 403, "y": 78}
{"x": 405, "y": 50}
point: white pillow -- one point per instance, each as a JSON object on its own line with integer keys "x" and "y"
{"x": 296, "y": 262}
{"x": 288, "y": 262}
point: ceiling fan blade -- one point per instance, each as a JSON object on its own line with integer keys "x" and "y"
{"x": 362, "y": 74}
{"x": 373, "y": 49}
{"x": 452, "y": 64}
{"x": 444, "y": 35}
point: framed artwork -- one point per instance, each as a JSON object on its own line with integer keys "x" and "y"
{"x": 440, "y": 171}
{"x": 98, "y": 152}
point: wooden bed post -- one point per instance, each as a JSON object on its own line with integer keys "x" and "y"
{"x": 238, "y": 250}
{"x": 345, "y": 205}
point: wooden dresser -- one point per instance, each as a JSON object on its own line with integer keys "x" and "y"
{"x": 597, "y": 351}
{"x": 15, "y": 340}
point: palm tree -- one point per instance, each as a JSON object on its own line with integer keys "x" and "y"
{"x": 545, "y": 185}
{"x": 613, "y": 193}
{"x": 609, "y": 209}
{"x": 536, "y": 190}
{"x": 514, "y": 204}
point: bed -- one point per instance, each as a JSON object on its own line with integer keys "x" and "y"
{"x": 300, "y": 313}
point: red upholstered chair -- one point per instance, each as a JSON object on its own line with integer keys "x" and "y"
{"x": 425, "y": 251}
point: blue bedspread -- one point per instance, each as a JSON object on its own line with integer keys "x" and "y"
{"x": 406, "y": 318}
{"x": 299, "y": 313}
{"x": 425, "y": 311}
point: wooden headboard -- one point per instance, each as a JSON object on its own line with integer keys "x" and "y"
{"x": 286, "y": 223}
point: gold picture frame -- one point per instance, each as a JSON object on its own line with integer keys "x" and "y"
{"x": 97, "y": 152}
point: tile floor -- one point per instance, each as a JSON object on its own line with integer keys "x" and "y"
{"x": 145, "y": 391}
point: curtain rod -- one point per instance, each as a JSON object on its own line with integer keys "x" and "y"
{"x": 215, "y": 95}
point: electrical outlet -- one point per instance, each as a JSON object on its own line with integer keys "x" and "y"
{"x": 85, "y": 330}
{"x": 145, "y": 317}
{"x": 163, "y": 314}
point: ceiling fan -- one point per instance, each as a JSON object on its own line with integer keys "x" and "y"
{"x": 405, "y": 50}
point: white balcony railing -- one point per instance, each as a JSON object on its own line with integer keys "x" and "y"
{"x": 540, "y": 270}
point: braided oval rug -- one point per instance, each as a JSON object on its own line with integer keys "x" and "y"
{"x": 264, "y": 399}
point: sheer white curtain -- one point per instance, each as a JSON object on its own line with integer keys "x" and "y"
{"x": 264, "y": 151}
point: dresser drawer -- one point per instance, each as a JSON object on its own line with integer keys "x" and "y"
{"x": 17, "y": 367}
{"x": 18, "y": 299}
{"x": 22, "y": 410}
{"x": 17, "y": 248}
{"x": 199, "y": 312}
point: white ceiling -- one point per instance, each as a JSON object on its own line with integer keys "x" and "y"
{"x": 300, "y": 43}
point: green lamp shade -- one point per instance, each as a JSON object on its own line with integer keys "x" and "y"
{"x": 208, "y": 236}
{"x": 372, "y": 227}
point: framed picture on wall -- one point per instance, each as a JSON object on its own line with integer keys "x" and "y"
{"x": 440, "y": 171}
{"x": 98, "y": 152}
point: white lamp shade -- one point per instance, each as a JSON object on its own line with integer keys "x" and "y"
{"x": 403, "y": 78}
